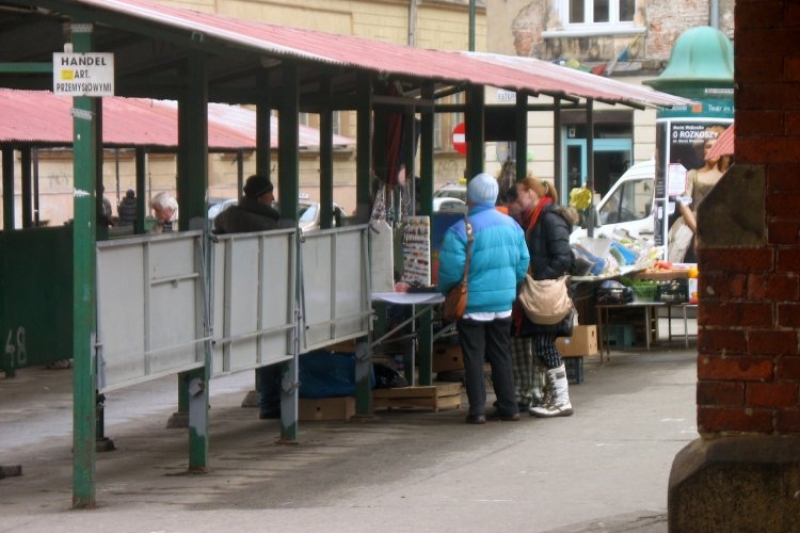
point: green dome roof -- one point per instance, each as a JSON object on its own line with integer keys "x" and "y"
{"x": 701, "y": 58}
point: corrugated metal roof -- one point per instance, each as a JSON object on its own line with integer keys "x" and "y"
{"x": 610, "y": 88}
{"x": 41, "y": 117}
{"x": 724, "y": 144}
{"x": 481, "y": 69}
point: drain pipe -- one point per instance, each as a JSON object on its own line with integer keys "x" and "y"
{"x": 713, "y": 16}
{"x": 471, "y": 25}
{"x": 412, "y": 23}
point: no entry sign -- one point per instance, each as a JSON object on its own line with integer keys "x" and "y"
{"x": 460, "y": 138}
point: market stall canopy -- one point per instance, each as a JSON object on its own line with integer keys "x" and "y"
{"x": 578, "y": 83}
{"x": 238, "y": 49}
{"x": 723, "y": 146}
{"x": 39, "y": 117}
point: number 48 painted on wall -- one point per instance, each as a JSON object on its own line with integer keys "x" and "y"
{"x": 16, "y": 345}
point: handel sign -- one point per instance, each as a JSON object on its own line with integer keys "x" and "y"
{"x": 89, "y": 74}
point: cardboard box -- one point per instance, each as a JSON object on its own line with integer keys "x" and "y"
{"x": 583, "y": 342}
{"x": 342, "y": 408}
{"x": 447, "y": 357}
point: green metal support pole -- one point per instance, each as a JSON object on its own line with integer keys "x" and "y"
{"x": 263, "y": 126}
{"x": 289, "y": 191}
{"x": 289, "y": 162}
{"x": 141, "y": 197}
{"x": 363, "y": 201}
{"x": 475, "y": 130}
{"x": 27, "y": 187}
{"x": 35, "y": 161}
{"x": 408, "y": 162}
{"x": 379, "y": 133}
{"x": 193, "y": 132}
{"x": 86, "y": 140}
{"x": 558, "y": 151}
{"x": 364, "y": 146}
{"x": 192, "y": 187}
{"x": 425, "y": 330}
{"x": 8, "y": 187}
{"x": 326, "y": 159}
{"x": 521, "y": 127}
{"x": 263, "y": 146}
{"x": 590, "y": 162}
{"x": 101, "y": 230}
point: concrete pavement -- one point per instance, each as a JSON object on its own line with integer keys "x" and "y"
{"x": 603, "y": 469}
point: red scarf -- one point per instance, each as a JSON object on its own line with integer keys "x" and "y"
{"x": 516, "y": 309}
{"x": 537, "y": 210}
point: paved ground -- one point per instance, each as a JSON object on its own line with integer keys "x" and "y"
{"x": 604, "y": 469}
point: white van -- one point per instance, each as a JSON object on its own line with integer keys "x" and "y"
{"x": 628, "y": 205}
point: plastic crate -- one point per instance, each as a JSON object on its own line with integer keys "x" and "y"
{"x": 674, "y": 291}
{"x": 621, "y": 335}
{"x": 574, "y": 366}
{"x": 645, "y": 291}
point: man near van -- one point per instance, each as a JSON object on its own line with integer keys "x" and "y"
{"x": 254, "y": 212}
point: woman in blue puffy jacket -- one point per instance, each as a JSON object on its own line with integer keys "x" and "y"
{"x": 498, "y": 262}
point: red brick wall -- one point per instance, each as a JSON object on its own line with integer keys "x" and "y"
{"x": 749, "y": 318}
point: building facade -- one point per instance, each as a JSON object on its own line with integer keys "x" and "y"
{"x": 629, "y": 40}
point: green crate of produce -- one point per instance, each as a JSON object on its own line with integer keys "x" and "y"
{"x": 645, "y": 291}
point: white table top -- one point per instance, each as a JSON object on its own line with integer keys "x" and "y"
{"x": 409, "y": 298}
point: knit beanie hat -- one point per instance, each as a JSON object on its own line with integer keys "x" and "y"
{"x": 482, "y": 189}
{"x": 256, "y": 185}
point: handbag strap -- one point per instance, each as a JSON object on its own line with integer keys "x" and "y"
{"x": 470, "y": 238}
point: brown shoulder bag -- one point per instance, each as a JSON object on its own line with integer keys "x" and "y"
{"x": 455, "y": 303}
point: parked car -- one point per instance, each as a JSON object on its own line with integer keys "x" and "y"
{"x": 309, "y": 213}
{"x": 628, "y": 204}
{"x": 452, "y": 190}
{"x": 218, "y": 205}
{"x": 444, "y": 204}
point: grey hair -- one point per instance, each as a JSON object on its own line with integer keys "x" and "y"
{"x": 164, "y": 200}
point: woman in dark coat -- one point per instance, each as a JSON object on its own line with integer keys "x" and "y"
{"x": 547, "y": 228}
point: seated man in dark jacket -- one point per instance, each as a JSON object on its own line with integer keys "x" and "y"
{"x": 254, "y": 212}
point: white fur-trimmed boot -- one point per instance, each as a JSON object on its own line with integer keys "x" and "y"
{"x": 557, "y": 403}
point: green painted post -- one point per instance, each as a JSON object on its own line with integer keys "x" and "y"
{"x": 8, "y": 187}
{"x": 326, "y": 158}
{"x": 364, "y": 146}
{"x": 263, "y": 126}
{"x": 84, "y": 383}
{"x": 363, "y": 199}
{"x": 521, "y": 135}
{"x": 475, "y": 130}
{"x": 288, "y": 159}
{"x": 192, "y": 186}
{"x": 141, "y": 180}
{"x": 27, "y": 187}
{"x": 426, "y": 170}
{"x": 289, "y": 191}
{"x": 263, "y": 145}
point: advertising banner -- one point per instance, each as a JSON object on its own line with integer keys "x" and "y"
{"x": 683, "y": 178}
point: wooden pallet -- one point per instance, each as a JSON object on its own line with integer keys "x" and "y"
{"x": 439, "y": 396}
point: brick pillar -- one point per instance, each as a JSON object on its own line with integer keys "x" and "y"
{"x": 743, "y": 474}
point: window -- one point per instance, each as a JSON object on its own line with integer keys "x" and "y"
{"x": 586, "y": 12}
{"x": 630, "y": 202}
